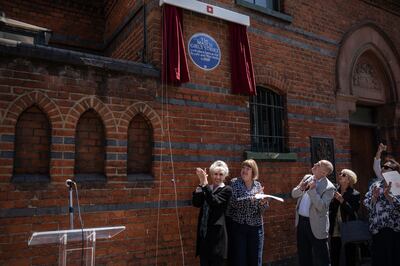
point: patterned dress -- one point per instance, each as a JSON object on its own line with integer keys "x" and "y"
{"x": 382, "y": 214}
{"x": 243, "y": 208}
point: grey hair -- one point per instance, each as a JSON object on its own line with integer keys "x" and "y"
{"x": 219, "y": 165}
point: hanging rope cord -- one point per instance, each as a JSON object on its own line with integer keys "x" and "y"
{"x": 165, "y": 117}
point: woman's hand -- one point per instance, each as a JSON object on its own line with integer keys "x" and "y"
{"x": 381, "y": 148}
{"x": 202, "y": 175}
{"x": 339, "y": 197}
{"x": 264, "y": 201}
{"x": 375, "y": 194}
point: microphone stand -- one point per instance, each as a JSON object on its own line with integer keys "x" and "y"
{"x": 71, "y": 207}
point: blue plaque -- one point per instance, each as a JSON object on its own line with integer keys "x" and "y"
{"x": 204, "y": 51}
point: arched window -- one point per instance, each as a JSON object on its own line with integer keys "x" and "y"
{"x": 140, "y": 148}
{"x": 90, "y": 148}
{"x": 267, "y": 116}
{"x": 32, "y": 147}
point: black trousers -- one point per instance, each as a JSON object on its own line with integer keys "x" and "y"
{"x": 213, "y": 261}
{"x": 349, "y": 249}
{"x": 385, "y": 248}
{"x": 311, "y": 251}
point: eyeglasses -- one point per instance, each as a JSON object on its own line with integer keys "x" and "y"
{"x": 387, "y": 167}
{"x": 343, "y": 174}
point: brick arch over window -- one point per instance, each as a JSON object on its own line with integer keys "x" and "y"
{"x": 90, "y": 148}
{"x": 97, "y": 105}
{"x": 140, "y": 147}
{"x": 33, "y": 98}
{"x": 271, "y": 79}
{"x": 32, "y": 147}
{"x": 138, "y": 113}
{"x": 147, "y": 111}
{"x": 361, "y": 39}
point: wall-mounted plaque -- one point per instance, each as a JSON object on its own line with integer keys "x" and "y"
{"x": 323, "y": 149}
{"x": 204, "y": 51}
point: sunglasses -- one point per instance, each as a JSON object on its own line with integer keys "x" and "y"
{"x": 387, "y": 167}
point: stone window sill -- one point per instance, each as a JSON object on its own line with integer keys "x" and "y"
{"x": 271, "y": 156}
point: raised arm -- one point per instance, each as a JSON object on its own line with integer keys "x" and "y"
{"x": 218, "y": 199}
{"x": 377, "y": 160}
{"x": 299, "y": 190}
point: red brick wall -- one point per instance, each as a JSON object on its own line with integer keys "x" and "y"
{"x": 205, "y": 122}
{"x": 77, "y": 24}
{"x": 128, "y": 44}
{"x": 32, "y": 143}
{"x": 90, "y": 144}
{"x": 116, "y": 12}
{"x": 139, "y": 146}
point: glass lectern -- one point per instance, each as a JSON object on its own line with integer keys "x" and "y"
{"x": 63, "y": 237}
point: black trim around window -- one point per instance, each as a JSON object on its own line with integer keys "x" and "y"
{"x": 267, "y": 118}
{"x": 273, "y": 8}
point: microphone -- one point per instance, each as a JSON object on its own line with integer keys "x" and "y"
{"x": 69, "y": 182}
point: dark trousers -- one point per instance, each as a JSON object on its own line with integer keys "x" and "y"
{"x": 385, "y": 248}
{"x": 245, "y": 244}
{"x": 397, "y": 248}
{"x": 215, "y": 261}
{"x": 312, "y": 251}
{"x": 349, "y": 252}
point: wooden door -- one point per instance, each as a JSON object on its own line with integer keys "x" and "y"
{"x": 363, "y": 149}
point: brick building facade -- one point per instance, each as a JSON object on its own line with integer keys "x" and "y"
{"x": 90, "y": 106}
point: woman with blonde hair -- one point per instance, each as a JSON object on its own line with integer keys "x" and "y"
{"x": 344, "y": 207}
{"x": 212, "y": 199}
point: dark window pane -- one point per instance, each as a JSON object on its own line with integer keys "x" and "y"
{"x": 269, "y": 4}
{"x": 267, "y": 121}
{"x": 262, "y": 3}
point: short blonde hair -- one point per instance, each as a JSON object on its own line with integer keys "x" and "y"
{"x": 219, "y": 165}
{"x": 352, "y": 176}
{"x": 327, "y": 165}
{"x": 253, "y": 165}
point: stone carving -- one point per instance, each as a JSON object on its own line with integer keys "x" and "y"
{"x": 364, "y": 76}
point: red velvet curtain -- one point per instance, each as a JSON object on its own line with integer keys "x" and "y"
{"x": 175, "y": 68}
{"x": 243, "y": 81}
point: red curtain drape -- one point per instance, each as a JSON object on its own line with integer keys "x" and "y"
{"x": 243, "y": 81}
{"x": 175, "y": 67}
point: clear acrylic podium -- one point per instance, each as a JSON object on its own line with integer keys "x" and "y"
{"x": 63, "y": 237}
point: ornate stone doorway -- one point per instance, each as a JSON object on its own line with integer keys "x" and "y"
{"x": 368, "y": 80}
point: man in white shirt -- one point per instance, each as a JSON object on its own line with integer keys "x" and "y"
{"x": 314, "y": 194}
